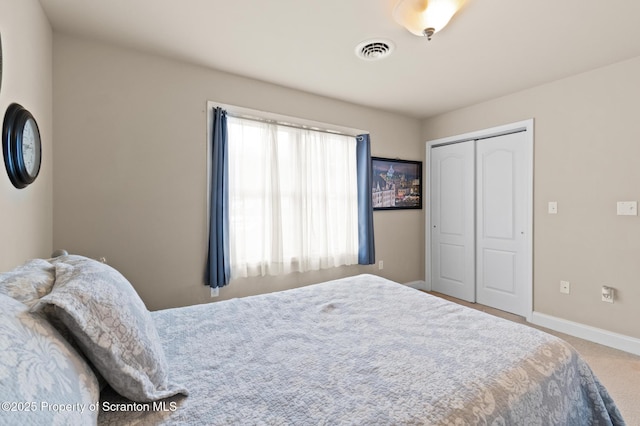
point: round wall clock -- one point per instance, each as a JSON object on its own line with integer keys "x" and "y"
{"x": 21, "y": 146}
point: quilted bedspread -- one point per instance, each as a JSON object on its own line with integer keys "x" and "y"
{"x": 363, "y": 351}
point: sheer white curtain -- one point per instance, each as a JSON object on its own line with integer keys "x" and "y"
{"x": 292, "y": 199}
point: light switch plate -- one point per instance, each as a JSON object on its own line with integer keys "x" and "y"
{"x": 627, "y": 208}
{"x": 553, "y": 207}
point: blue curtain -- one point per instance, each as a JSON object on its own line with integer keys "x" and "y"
{"x": 218, "y": 270}
{"x": 366, "y": 247}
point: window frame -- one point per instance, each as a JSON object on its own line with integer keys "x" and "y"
{"x": 275, "y": 118}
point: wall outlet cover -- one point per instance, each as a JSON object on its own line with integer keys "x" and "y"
{"x": 627, "y": 208}
{"x": 607, "y": 294}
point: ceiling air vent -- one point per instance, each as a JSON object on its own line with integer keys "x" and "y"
{"x": 373, "y": 50}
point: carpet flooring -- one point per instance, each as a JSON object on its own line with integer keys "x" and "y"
{"x": 618, "y": 371}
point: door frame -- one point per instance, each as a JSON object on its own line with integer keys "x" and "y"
{"x": 519, "y": 126}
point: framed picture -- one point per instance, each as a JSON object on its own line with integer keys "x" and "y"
{"x": 396, "y": 184}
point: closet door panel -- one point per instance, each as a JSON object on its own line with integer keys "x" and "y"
{"x": 501, "y": 191}
{"x": 452, "y": 220}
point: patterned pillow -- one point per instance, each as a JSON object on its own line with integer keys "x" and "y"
{"x": 72, "y": 259}
{"x": 29, "y": 282}
{"x": 113, "y": 328}
{"x": 40, "y": 373}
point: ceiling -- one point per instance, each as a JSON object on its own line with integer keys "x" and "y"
{"x": 489, "y": 49}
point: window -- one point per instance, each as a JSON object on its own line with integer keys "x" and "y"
{"x": 293, "y": 198}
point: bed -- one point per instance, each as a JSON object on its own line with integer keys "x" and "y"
{"x": 360, "y": 350}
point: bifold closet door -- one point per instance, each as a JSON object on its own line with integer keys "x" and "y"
{"x": 452, "y": 186}
{"x": 501, "y": 222}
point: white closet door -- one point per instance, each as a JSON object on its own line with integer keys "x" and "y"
{"x": 501, "y": 227}
{"x": 452, "y": 220}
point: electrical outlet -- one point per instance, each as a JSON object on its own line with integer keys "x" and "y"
{"x": 565, "y": 287}
{"x": 215, "y": 291}
{"x": 380, "y": 264}
{"x": 607, "y": 294}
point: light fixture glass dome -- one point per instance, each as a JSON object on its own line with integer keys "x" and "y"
{"x": 425, "y": 17}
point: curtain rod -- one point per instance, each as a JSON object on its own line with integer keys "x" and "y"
{"x": 287, "y": 124}
{"x": 285, "y": 120}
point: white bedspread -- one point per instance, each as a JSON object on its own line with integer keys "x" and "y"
{"x": 364, "y": 351}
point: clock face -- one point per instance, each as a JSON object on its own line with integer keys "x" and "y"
{"x": 30, "y": 150}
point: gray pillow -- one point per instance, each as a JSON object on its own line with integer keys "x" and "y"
{"x": 113, "y": 328}
{"x": 29, "y": 282}
{"x": 40, "y": 372}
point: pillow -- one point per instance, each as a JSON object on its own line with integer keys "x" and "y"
{"x": 72, "y": 259}
{"x": 40, "y": 371}
{"x": 113, "y": 328}
{"x": 29, "y": 282}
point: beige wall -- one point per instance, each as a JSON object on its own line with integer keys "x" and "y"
{"x": 130, "y": 181}
{"x": 130, "y": 170}
{"x": 587, "y": 157}
{"x": 26, "y": 214}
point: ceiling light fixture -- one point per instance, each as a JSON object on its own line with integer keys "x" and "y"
{"x": 425, "y": 17}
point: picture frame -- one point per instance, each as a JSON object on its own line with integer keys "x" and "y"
{"x": 396, "y": 184}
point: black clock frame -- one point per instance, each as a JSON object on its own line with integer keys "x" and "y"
{"x": 15, "y": 119}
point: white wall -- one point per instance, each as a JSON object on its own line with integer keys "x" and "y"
{"x": 587, "y": 156}
{"x": 26, "y": 215}
{"x": 130, "y": 181}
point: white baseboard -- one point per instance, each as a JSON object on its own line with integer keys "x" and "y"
{"x": 419, "y": 285}
{"x": 587, "y": 332}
